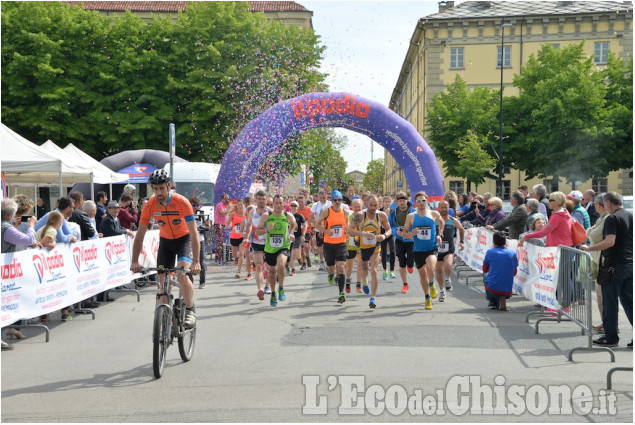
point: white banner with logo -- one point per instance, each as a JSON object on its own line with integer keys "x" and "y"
{"x": 537, "y": 274}
{"x": 39, "y": 281}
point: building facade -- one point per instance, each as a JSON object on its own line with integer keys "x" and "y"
{"x": 357, "y": 176}
{"x": 466, "y": 40}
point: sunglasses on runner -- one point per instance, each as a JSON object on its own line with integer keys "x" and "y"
{"x": 421, "y": 200}
{"x": 337, "y": 200}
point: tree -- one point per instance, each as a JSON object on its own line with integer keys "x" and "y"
{"x": 374, "y": 178}
{"x": 455, "y": 111}
{"x": 474, "y": 162}
{"x": 561, "y": 124}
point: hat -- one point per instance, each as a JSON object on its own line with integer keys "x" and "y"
{"x": 113, "y": 204}
{"x": 336, "y": 194}
{"x": 575, "y": 195}
{"x": 129, "y": 188}
{"x": 293, "y": 204}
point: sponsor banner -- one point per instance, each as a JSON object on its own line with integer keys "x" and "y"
{"x": 537, "y": 275}
{"x": 39, "y": 281}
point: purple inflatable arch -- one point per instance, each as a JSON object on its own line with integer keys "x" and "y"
{"x": 294, "y": 116}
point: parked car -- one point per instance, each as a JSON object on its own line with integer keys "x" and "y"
{"x": 628, "y": 203}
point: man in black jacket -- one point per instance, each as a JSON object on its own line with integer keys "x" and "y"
{"x": 587, "y": 202}
{"x": 110, "y": 225}
{"x": 80, "y": 217}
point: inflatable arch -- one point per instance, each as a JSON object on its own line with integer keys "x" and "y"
{"x": 294, "y": 116}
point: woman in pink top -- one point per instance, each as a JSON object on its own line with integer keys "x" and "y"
{"x": 220, "y": 219}
{"x": 558, "y": 230}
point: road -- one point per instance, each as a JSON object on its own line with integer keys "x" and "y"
{"x": 256, "y": 363}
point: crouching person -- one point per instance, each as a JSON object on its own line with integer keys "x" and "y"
{"x": 500, "y": 265}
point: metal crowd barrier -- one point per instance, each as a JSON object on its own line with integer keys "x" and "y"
{"x": 609, "y": 375}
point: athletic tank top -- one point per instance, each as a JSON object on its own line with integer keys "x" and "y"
{"x": 235, "y": 233}
{"x": 426, "y": 236}
{"x": 400, "y": 219}
{"x": 278, "y": 237}
{"x": 337, "y": 222}
{"x": 371, "y": 226}
{"x": 255, "y": 220}
{"x": 351, "y": 241}
{"x": 447, "y": 244}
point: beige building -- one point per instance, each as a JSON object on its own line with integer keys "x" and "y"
{"x": 357, "y": 176}
{"x": 289, "y": 12}
{"x": 466, "y": 39}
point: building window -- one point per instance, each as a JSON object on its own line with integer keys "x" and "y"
{"x": 508, "y": 57}
{"x": 456, "y": 57}
{"x": 601, "y": 52}
{"x": 506, "y": 189}
{"x": 457, "y": 186}
{"x": 600, "y": 185}
{"x": 556, "y": 45}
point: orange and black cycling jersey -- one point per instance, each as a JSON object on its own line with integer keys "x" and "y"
{"x": 170, "y": 217}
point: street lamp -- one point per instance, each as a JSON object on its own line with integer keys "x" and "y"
{"x": 500, "y": 133}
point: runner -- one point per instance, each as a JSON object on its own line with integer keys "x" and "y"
{"x": 446, "y": 249}
{"x": 316, "y": 210}
{"x": 305, "y": 210}
{"x": 178, "y": 238}
{"x": 301, "y": 226}
{"x": 351, "y": 245}
{"x": 388, "y": 243}
{"x": 368, "y": 227}
{"x": 333, "y": 222}
{"x": 421, "y": 225}
{"x": 258, "y": 242}
{"x": 236, "y": 219}
{"x": 251, "y": 267}
{"x": 403, "y": 245}
{"x": 278, "y": 225}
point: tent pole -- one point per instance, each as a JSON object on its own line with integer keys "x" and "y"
{"x": 92, "y": 186}
{"x": 61, "y": 185}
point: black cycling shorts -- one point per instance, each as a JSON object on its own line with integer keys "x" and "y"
{"x": 366, "y": 253}
{"x": 271, "y": 258}
{"x": 421, "y": 257}
{"x": 442, "y": 255}
{"x": 404, "y": 253}
{"x": 236, "y": 242}
{"x": 335, "y": 252}
{"x": 179, "y": 249}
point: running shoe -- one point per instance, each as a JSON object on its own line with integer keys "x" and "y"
{"x": 261, "y": 294}
{"x": 292, "y": 272}
{"x": 366, "y": 288}
{"x": 67, "y": 317}
{"x": 190, "y": 319}
{"x": 308, "y": 261}
{"x": 392, "y": 275}
{"x": 303, "y": 266}
{"x": 442, "y": 297}
{"x": 385, "y": 275}
{"x": 372, "y": 304}
{"x": 267, "y": 290}
{"x": 348, "y": 288}
{"x": 317, "y": 257}
{"x": 201, "y": 286}
{"x": 281, "y": 295}
{"x": 428, "y": 304}
{"x": 404, "y": 290}
{"x": 322, "y": 268}
{"x": 358, "y": 286}
{"x": 237, "y": 275}
{"x": 331, "y": 279}
{"x": 342, "y": 298}
{"x": 274, "y": 300}
{"x": 410, "y": 269}
{"x": 433, "y": 291}
{"x": 249, "y": 276}
{"x": 253, "y": 267}
{"x": 448, "y": 284}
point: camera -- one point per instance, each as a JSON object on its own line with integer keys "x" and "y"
{"x": 25, "y": 218}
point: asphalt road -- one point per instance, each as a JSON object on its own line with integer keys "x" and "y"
{"x": 300, "y": 361}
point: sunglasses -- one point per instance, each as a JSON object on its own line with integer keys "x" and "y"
{"x": 420, "y": 200}
{"x": 552, "y": 200}
{"x": 404, "y": 198}
{"x": 337, "y": 200}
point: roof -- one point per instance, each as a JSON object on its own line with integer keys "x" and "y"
{"x": 494, "y": 9}
{"x": 176, "y": 6}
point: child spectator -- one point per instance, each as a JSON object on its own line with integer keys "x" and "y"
{"x": 500, "y": 265}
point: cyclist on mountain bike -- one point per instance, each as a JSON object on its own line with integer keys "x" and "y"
{"x": 178, "y": 237}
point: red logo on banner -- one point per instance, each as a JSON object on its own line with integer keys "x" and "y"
{"x": 44, "y": 263}
{"x": 545, "y": 262}
{"x": 419, "y": 149}
{"x": 482, "y": 239}
{"x": 141, "y": 168}
{"x": 11, "y": 271}
{"x": 521, "y": 252}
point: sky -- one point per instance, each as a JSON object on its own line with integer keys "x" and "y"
{"x": 366, "y": 44}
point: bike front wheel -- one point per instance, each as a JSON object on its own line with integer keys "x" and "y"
{"x": 160, "y": 338}
{"x": 186, "y": 344}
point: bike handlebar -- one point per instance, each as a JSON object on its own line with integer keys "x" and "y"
{"x": 163, "y": 270}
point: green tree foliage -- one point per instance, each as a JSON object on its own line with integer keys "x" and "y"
{"x": 109, "y": 85}
{"x": 474, "y": 162}
{"x": 563, "y": 123}
{"x": 374, "y": 178}
{"x": 455, "y": 111}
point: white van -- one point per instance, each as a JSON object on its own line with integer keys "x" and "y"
{"x": 196, "y": 179}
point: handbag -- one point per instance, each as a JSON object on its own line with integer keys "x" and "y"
{"x": 605, "y": 273}
{"x": 578, "y": 234}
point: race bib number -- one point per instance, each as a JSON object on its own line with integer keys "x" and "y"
{"x": 351, "y": 241}
{"x": 337, "y": 231}
{"x": 424, "y": 233}
{"x": 444, "y": 247}
{"x": 237, "y": 228}
{"x": 276, "y": 241}
{"x": 370, "y": 241}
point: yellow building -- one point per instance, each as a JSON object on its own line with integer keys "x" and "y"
{"x": 466, "y": 40}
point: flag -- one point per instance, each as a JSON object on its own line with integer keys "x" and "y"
{"x": 3, "y": 187}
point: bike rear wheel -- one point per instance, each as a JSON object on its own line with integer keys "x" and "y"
{"x": 186, "y": 344}
{"x": 160, "y": 338}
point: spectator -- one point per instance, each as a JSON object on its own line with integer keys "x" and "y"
{"x": 516, "y": 220}
{"x": 536, "y": 226}
{"x": 594, "y": 233}
{"x": 532, "y": 205}
{"x": 25, "y": 208}
{"x": 478, "y": 202}
{"x": 203, "y": 226}
{"x": 496, "y": 212}
{"x": 464, "y": 205}
{"x": 129, "y": 189}
{"x": 580, "y": 214}
{"x": 617, "y": 250}
{"x": 558, "y": 229}
{"x": 64, "y": 234}
{"x": 500, "y": 265}
{"x": 540, "y": 193}
{"x": 90, "y": 208}
{"x": 79, "y": 216}
{"x": 453, "y": 200}
{"x": 102, "y": 200}
{"x": 40, "y": 210}
{"x": 588, "y": 202}
{"x": 127, "y": 215}
{"x": 220, "y": 220}
{"x": 524, "y": 190}
{"x": 48, "y": 233}
{"x": 110, "y": 225}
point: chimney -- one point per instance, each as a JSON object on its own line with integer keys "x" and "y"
{"x": 445, "y": 5}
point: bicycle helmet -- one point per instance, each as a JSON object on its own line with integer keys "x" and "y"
{"x": 158, "y": 177}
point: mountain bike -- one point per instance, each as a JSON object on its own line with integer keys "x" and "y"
{"x": 169, "y": 323}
